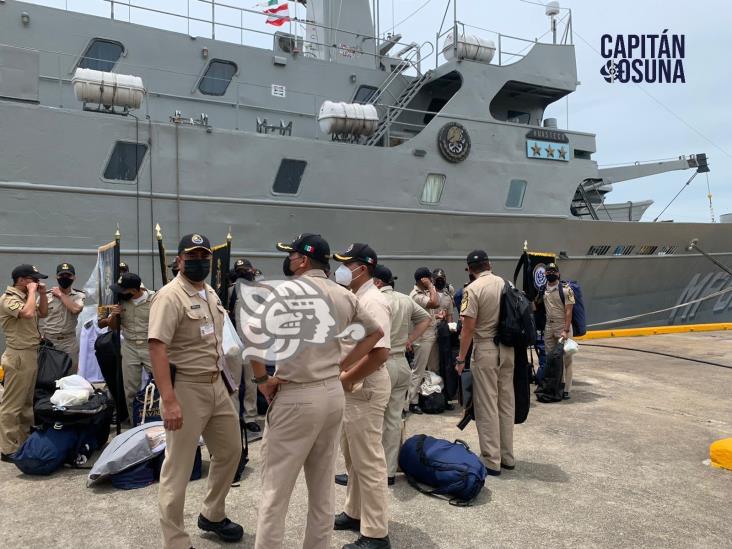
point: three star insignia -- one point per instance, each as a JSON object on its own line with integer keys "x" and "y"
{"x": 562, "y": 153}
{"x": 550, "y": 151}
{"x": 536, "y": 149}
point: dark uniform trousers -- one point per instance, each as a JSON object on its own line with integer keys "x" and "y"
{"x": 208, "y": 411}
{"x": 301, "y": 431}
{"x": 494, "y": 401}
{"x": 16, "y": 410}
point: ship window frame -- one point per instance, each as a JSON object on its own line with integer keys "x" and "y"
{"x": 283, "y": 177}
{"x": 598, "y": 249}
{"x": 373, "y": 89}
{"x": 114, "y": 152}
{"x": 513, "y": 185}
{"x": 647, "y": 249}
{"x": 523, "y": 117}
{"x": 441, "y": 178}
{"x": 216, "y": 79}
{"x": 92, "y": 43}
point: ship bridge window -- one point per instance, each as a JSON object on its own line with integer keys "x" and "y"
{"x": 216, "y": 78}
{"x": 101, "y": 55}
{"x": 518, "y": 117}
{"x": 289, "y": 176}
{"x": 364, "y": 94}
{"x": 125, "y": 161}
{"x": 516, "y": 192}
{"x": 433, "y": 187}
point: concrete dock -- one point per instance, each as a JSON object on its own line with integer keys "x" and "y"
{"x": 621, "y": 464}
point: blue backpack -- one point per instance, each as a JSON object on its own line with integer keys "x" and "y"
{"x": 579, "y": 318}
{"x": 46, "y": 451}
{"x": 450, "y": 468}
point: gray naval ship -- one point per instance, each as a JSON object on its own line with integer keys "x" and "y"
{"x": 425, "y": 151}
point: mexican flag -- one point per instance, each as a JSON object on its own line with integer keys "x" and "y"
{"x": 279, "y": 14}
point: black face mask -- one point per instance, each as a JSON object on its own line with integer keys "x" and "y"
{"x": 440, "y": 284}
{"x": 197, "y": 269}
{"x": 64, "y": 282}
{"x": 124, "y": 297}
{"x": 552, "y": 277}
{"x": 286, "y": 267}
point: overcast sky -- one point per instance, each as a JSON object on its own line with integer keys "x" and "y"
{"x": 633, "y": 122}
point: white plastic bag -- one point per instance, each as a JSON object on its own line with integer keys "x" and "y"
{"x": 431, "y": 383}
{"x": 75, "y": 383}
{"x": 69, "y": 397}
{"x": 570, "y": 347}
{"x": 233, "y": 347}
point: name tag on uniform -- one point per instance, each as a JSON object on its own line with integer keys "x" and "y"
{"x": 207, "y": 329}
{"x": 195, "y": 307}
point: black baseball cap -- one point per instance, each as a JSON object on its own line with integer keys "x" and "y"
{"x": 243, "y": 264}
{"x": 309, "y": 244}
{"x": 358, "y": 252}
{"x": 27, "y": 270}
{"x": 384, "y": 274}
{"x": 552, "y": 267}
{"x": 128, "y": 281}
{"x": 65, "y": 268}
{"x": 422, "y": 272}
{"x": 477, "y": 256}
{"x": 192, "y": 242}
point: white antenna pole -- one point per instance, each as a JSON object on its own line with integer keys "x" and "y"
{"x": 709, "y": 196}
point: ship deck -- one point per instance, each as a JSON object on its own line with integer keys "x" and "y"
{"x": 620, "y": 464}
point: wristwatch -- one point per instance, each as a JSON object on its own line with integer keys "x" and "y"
{"x": 260, "y": 380}
{"x": 458, "y": 361}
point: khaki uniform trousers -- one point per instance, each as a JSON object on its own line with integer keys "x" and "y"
{"x": 208, "y": 411}
{"x": 301, "y": 432}
{"x": 16, "y": 409}
{"x": 238, "y": 368}
{"x": 426, "y": 358}
{"x": 366, "y": 492}
{"x": 494, "y": 402}
{"x": 399, "y": 375}
{"x": 135, "y": 357}
{"x": 69, "y": 345}
{"x": 552, "y": 332}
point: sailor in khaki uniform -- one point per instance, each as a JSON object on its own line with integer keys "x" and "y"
{"x": 558, "y": 318}
{"x": 306, "y": 400}
{"x": 19, "y": 315}
{"x": 132, "y": 315}
{"x": 426, "y": 352}
{"x": 186, "y": 330}
{"x": 492, "y": 365}
{"x": 64, "y": 305}
{"x": 405, "y": 314}
{"x": 367, "y": 395}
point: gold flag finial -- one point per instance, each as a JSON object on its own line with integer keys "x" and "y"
{"x": 228, "y": 235}
{"x": 526, "y": 245}
{"x": 158, "y": 234}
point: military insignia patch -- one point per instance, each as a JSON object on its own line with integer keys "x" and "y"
{"x": 197, "y": 239}
{"x": 453, "y": 142}
{"x": 35, "y": 269}
{"x": 14, "y": 306}
{"x": 465, "y": 302}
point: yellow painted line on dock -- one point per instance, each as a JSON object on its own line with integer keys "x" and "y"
{"x": 656, "y": 330}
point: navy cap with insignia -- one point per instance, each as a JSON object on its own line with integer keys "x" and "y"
{"x": 477, "y": 256}
{"x": 192, "y": 242}
{"x": 26, "y": 270}
{"x": 358, "y": 252}
{"x": 309, "y": 244}
{"x": 439, "y": 273}
{"x": 243, "y": 264}
{"x": 128, "y": 281}
{"x": 65, "y": 268}
{"x": 384, "y": 274}
{"x": 552, "y": 267}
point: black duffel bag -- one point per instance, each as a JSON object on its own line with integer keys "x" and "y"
{"x": 53, "y": 364}
{"x": 94, "y": 416}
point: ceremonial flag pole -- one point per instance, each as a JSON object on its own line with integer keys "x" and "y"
{"x": 220, "y": 269}
{"x": 161, "y": 255}
{"x": 119, "y": 397}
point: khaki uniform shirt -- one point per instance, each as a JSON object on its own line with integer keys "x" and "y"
{"x": 422, "y": 297}
{"x": 405, "y": 313}
{"x": 192, "y": 327}
{"x": 135, "y": 318}
{"x": 378, "y": 307}
{"x": 554, "y": 305}
{"x": 318, "y": 361}
{"x": 482, "y": 301}
{"x": 60, "y": 321}
{"x": 20, "y": 333}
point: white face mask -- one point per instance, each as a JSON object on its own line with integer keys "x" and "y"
{"x": 343, "y": 276}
